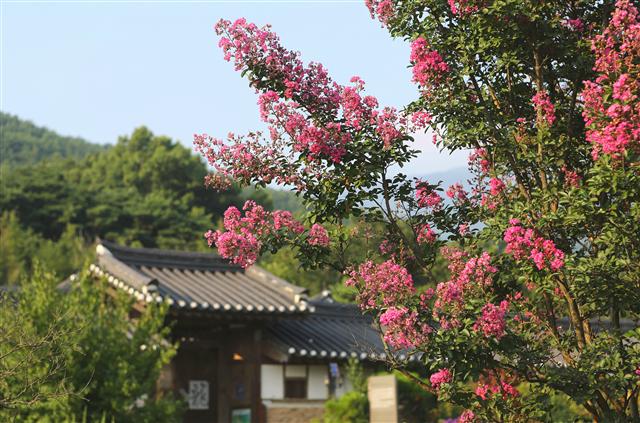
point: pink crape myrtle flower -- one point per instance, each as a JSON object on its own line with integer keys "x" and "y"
{"x": 402, "y": 329}
{"x": 544, "y": 107}
{"x": 427, "y": 197}
{"x": 318, "y": 236}
{"x": 496, "y": 186}
{"x": 429, "y": 69}
{"x": 426, "y": 235}
{"x": 468, "y": 274}
{"x": 462, "y": 7}
{"x": 611, "y": 111}
{"x": 479, "y": 161}
{"x": 243, "y": 236}
{"x": 457, "y": 193}
{"x": 524, "y": 243}
{"x": 467, "y": 416}
{"x": 485, "y": 391}
{"x": 380, "y": 9}
{"x": 492, "y": 321}
{"x": 440, "y": 377}
{"x": 386, "y": 283}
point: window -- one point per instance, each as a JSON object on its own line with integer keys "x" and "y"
{"x": 295, "y": 381}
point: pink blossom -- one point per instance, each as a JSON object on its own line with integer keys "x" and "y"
{"x": 492, "y": 322}
{"x": 421, "y": 120}
{"x": 242, "y": 248}
{"x": 571, "y": 177}
{"x": 386, "y": 283}
{"x": 283, "y": 219}
{"x": 613, "y": 121}
{"x": 467, "y": 416}
{"x": 318, "y": 236}
{"x": 479, "y": 161}
{"x": 382, "y": 9}
{"x": 243, "y": 236}
{"x": 468, "y": 274}
{"x": 462, "y": 7}
{"x": 402, "y": 329}
{"x": 485, "y": 391}
{"x": 545, "y": 109}
{"x": 440, "y": 377}
{"x": 574, "y": 24}
{"x": 496, "y": 186}
{"x": 427, "y": 197}
{"x": 426, "y": 235}
{"x": 523, "y": 243}
{"x": 457, "y": 193}
{"x": 429, "y": 69}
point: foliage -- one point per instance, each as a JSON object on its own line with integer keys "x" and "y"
{"x": 145, "y": 191}
{"x": 351, "y": 407}
{"x": 414, "y": 403}
{"x": 22, "y": 248}
{"x": 285, "y": 265}
{"x": 25, "y": 143}
{"x": 101, "y": 363}
{"x": 541, "y": 250}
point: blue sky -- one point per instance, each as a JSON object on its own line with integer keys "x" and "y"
{"x": 99, "y": 69}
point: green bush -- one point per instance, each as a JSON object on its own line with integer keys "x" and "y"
{"x": 352, "y": 407}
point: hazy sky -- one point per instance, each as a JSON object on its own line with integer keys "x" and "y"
{"x": 98, "y": 69}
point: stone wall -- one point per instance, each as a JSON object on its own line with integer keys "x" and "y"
{"x": 303, "y": 411}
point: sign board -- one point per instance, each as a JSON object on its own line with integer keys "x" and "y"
{"x": 198, "y": 395}
{"x": 241, "y": 415}
{"x": 383, "y": 399}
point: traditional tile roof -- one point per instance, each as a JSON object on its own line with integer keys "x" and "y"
{"x": 196, "y": 281}
{"x": 333, "y": 331}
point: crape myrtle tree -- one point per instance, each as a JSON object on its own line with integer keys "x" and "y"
{"x": 543, "y": 247}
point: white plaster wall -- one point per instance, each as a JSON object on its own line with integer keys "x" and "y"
{"x": 295, "y": 370}
{"x": 317, "y": 387}
{"x": 271, "y": 381}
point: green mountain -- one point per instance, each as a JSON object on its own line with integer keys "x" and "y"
{"x": 22, "y": 142}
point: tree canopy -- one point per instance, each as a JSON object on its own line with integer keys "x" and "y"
{"x": 543, "y": 254}
{"x": 25, "y": 143}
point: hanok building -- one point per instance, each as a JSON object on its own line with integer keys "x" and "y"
{"x": 252, "y": 347}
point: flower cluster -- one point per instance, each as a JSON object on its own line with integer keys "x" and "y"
{"x": 427, "y": 197}
{"x": 243, "y": 236}
{"x": 309, "y": 115}
{"x": 429, "y": 69}
{"x": 479, "y": 161}
{"x": 382, "y": 9}
{"x": 492, "y": 321}
{"x": 524, "y": 243}
{"x": 575, "y": 25}
{"x": 426, "y": 235}
{"x": 457, "y": 193}
{"x": 485, "y": 391}
{"x": 462, "y": 7}
{"x": 571, "y": 177}
{"x": 468, "y": 275}
{"x": 467, "y": 416}
{"x": 386, "y": 283}
{"x": 440, "y": 377}
{"x": 318, "y": 235}
{"x": 611, "y": 110}
{"x": 246, "y": 159}
{"x": 402, "y": 329}
{"x": 496, "y": 186}
{"x": 544, "y": 108}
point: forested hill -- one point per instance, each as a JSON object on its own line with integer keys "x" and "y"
{"x": 22, "y": 142}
